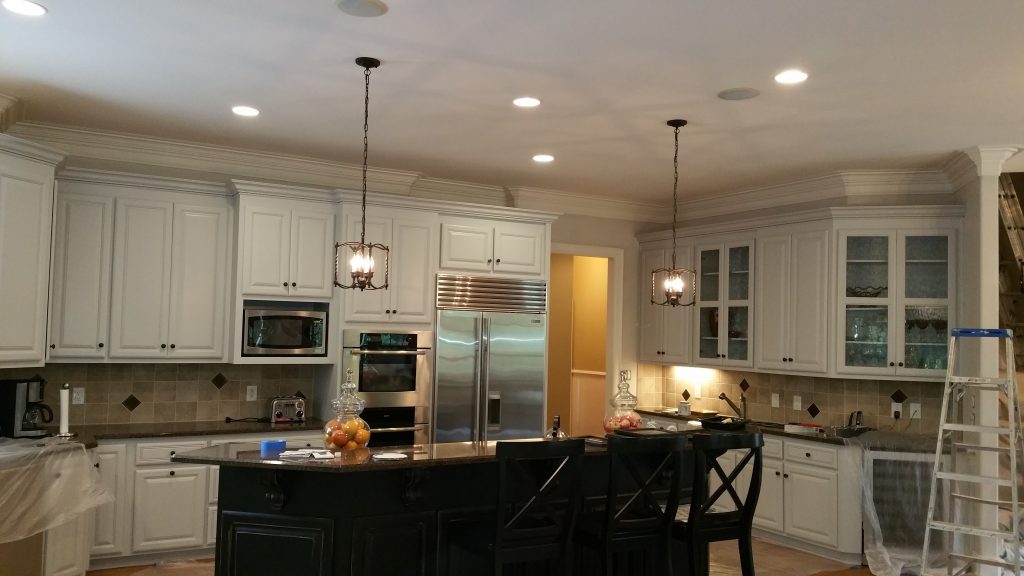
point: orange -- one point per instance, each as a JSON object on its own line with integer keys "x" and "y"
{"x": 339, "y": 437}
{"x": 351, "y": 427}
{"x": 351, "y": 445}
{"x": 362, "y": 437}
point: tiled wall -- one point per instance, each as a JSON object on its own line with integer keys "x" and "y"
{"x": 834, "y": 398}
{"x": 125, "y": 393}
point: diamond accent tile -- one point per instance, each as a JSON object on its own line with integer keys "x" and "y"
{"x": 686, "y": 394}
{"x": 813, "y": 410}
{"x": 299, "y": 394}
{"x": 898, "y": 396}
{"x": 131, "y": 402}
{"x": 744, "y": 385}
{"x": 219, "y": 380}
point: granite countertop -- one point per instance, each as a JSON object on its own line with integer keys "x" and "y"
{"x": 91, "y": 434}
{"x": 763, "y": 427}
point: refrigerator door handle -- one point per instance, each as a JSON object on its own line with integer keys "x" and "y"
{"x": 482, "y": 417}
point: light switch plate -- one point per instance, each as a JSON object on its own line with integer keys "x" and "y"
{"x": 250, "y": 393}
{"x": 915, "y": 410}
{"x": 894, "y": 407}
{"x": 796, "y": 403}
{"x": 78, "y": 395}
{"x": 775, "y": 399}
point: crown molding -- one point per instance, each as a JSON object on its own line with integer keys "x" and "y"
{"x": 12, "y": 111}
{"x": 456, "y": 191}
{"x": 286, "y": 191}
{"x": 567, "y": 203}
{"x": 960, "y": 170}
{"x": 30, "y": 150}
{"x": 990, "y": 159}
{"x": 449, "y": 207}
{"x": 162, "y": 183}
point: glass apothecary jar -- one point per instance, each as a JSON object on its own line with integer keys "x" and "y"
{"x": 347, "y": 432}
{"x": 625, "y": 416}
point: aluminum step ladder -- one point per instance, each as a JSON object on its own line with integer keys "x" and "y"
{"x": 972, "y": 510}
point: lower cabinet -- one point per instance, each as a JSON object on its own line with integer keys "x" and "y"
{"x": 769, "y": 513}
{"x": 375, "y": 540}
{"x": 262, "y": 543}
{"x": 67, "y": 547}
{"x": 811, "y": 494}
{"x": 110, "y": 532}
{"x": 169, "y": 508}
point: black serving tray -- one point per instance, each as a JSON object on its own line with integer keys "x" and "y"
{"x": 716, "y": 423}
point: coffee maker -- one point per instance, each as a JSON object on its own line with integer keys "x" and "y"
{"x": 22, "y": 412}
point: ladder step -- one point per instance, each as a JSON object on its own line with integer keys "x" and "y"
{"x": 974, "y": 478}
{"x": 968, "y": 380}
{"x": 971, "y": 530}
{"x": 983, "y": 500}
{"x": 964, "y": 446}
{"x": 985, "y": 560}
{"x": 975, "y": 428}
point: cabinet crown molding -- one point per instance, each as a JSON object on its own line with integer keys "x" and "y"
{"x": 162, "y": 183}
{"x": 30, "y": 150}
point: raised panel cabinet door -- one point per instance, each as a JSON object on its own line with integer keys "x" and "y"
{"x": 141, "y": 278}
{"x": 80, "y": 303}
{"x": 198, "y": 287}
{"x": 808, "y": 310}
{"x": 772, "y": 298}
{"x": 812, "y": 503}
{"x": 398, "y": 544}
{"x": 412, "y": 290}
{"x": 170, "y": 508}
{"x": 519, "y": 248}
{"x": 67, "y": 547}
{"x": 312, "y": 254}
{"x": 651, "y": 315}
{"x": 468, "y": 248}
{"x": 249, "y": 543}
{"x": 265, "y": 250}
{"x": 26, "y": 205}
{"x": 367, "y": 305}
{"x": 111, "y": 522}
{"x": 769, "y": 512}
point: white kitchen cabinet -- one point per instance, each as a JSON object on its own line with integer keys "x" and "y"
{"x": 66, "y": 548}
{"x": 286, "y": 248}
{"x": 665, "y": 331}
{"x": 168, "y": 295}
{"x": 169, "y": 509}
{"x": 723, "y": 327}
{"x": 896, "y": 300}
{"x": 499, "y": 247}
{"x": 812, "y": 508}
{"x": 80, "y": 301}
{"x": 412, "y": 240}
{"x": 211, "y": 525}
{"x": 26, "y": 215}
{"x": 111, "y": 526}
{"x": 769, "y": 513}
{"x": 791, "y": 295}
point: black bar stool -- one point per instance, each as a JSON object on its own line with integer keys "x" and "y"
{"x": 644, "y": 478}
{"x": 703, "y": 525}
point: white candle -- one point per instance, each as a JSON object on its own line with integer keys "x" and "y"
{"x": 65, "y": 403}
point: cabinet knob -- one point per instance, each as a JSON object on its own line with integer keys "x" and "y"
{"x": 900, "y": 364}
{"x": 52, "y": 346}
{"x": 489, "y": 260}
{"x": 790, "y": 359}
{"x": 173, "y": 452}
{"x": 808, "y": 454}
{"x": 172, "y": 345}
{"x": 387, "y": 311}
{"x": 394, "y": 311}
{"x": 777, "y": 473}
{"x": 96, "y": 465}
{"x": 101, "y": 344}
{"x": 285, "y": 284}
{"x": 172, "y": 472}
{"x": 498, "y": 261}
{"x": 163, "y": 346}
{"x": 293, "y": 284}
{"x": 785, "y": 475}
{"x": 892, "y": 363}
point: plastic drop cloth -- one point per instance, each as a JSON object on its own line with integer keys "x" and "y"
{"x": 45, "y": 483}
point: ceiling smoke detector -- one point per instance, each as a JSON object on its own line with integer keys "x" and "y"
{"x": 739, "y": 93}
{"x": 363, "y": 8}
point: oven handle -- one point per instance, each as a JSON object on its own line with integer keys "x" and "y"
{"x": 389, "y": 352}
{"x": 409, "y": 429}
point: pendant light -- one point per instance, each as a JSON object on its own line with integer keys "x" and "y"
{"x": 678, "y": 284}
{"x": 361, "y": 256}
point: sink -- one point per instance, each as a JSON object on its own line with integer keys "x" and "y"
{"x": 846, "y": 431}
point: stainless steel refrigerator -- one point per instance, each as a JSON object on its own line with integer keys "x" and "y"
{"x": 489, "y": 359}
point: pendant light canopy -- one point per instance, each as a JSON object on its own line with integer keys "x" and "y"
{"x": 678, "y": 285}
{"x": 361, "y": 256}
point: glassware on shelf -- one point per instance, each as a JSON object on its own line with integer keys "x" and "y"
{"x": 625, "y": 416}
{"x": 347, "y": 432}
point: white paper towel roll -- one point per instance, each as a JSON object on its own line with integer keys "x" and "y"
{"x": 65, "y": 405}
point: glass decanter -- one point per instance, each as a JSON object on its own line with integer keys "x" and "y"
{"x": 347, "y": 432}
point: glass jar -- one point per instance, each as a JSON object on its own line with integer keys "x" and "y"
{"x": 347, "y": 432}
{"x": 625, "y": 416}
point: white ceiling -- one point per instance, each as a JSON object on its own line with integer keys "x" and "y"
{"x": 893, "y": 83}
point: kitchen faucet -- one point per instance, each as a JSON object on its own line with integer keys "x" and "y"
{"x": 741, "y": 412}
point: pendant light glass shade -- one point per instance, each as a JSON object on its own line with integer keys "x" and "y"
{"x": 674, "y": 286}
{"x": 361, "y": 257}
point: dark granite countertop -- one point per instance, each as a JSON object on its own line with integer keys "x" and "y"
{"x": 91, "y": 434}
{"x": 763, "y": 427}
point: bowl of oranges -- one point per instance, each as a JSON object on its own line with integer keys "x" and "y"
{"x": 346, "y": 434}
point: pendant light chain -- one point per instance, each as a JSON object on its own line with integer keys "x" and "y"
{"x": 366, "y": 149}
{"x": 675, "y": 188}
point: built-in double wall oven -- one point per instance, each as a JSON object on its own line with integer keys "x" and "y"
{"x": 393, "y": 372}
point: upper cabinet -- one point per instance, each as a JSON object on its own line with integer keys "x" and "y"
{"x": 476, "y": 245}
{"x": 724, "y": 303}
{"x": 664, "y": 330}
{"x": 412, "y": 240}
{"x": 286, "y": 247}
{"x": 26, "y": 213}
{"x": 896, "y": 300}
{"x": 791, "y": 296}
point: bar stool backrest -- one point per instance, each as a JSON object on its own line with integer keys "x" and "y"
{"x": 706, "y": 451}
{"x": 644, "y": 478}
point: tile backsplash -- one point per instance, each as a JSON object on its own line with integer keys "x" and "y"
{"x": 127, "y": 393}
{"x": 833, "y": 398}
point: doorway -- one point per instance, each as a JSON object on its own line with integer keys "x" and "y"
{"x": 581, "y": 316}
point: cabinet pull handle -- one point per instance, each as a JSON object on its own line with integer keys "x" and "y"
{"x": 172, "y": 472}
{"x": 163, "y": 346}
{"x": 101, "y": 345}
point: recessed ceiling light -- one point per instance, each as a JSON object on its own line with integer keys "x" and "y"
{"x": 739, "y": 93}
{"x": 792, "y": 76}
{"x": 543, "y": 158}
{"x": 24, "y": 7}
{"x": 363, "y": 8}
{"x": 526, "y": 102}
{"x": 248, "y": 111}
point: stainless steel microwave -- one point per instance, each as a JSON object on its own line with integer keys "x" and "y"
{"x": 284, "y": 328}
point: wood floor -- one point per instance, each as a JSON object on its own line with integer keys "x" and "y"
{"x": 769, "y": 560}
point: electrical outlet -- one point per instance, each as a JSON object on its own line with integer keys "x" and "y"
{"x": 796, "y": 403}
{"x": 894, "y": 408}
{"x": 775, "y": 400}
{"x": 78, "y": 395}
{"x": 250, "y": 393}
{"x": 915, "y": 410}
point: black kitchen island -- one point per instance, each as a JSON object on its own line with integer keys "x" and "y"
{"x": 355, "y": 515}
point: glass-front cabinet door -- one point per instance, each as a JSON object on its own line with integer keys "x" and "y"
{"x": 895, "y": 294}
{"x": 723, "y": 304}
